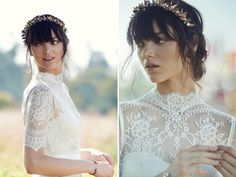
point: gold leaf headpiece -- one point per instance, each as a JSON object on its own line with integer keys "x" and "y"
{"x": 169, "y": 5}
{"x": 40, "y": 18}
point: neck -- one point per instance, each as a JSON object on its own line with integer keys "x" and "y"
{"x": 182, "y": 85}
{"x": 55, "y": 71}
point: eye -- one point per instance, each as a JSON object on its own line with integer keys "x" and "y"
{"x": 159, "y": 40}
{"x": 36, "y": 44}
{"x": 140, "y": 45}
{"x": 55, "y": 42}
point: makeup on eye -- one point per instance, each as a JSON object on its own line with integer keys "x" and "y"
{"x": 159, "y": 38}
{"x": 140, "y": 44}
{"x": 54, "y": 41}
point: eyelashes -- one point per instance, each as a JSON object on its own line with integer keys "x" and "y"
{"x": 53, "y": 42}
{"x": 157, "y": 40}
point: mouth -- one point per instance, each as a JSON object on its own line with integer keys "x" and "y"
{"x": 150, "y": 65}
{"x": 48, "y": 58}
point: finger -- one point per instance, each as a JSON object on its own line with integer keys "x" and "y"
{"x": 111, "y": 171}
{"x": 223, "y": 171}
{"x": 109, "y": 159}
{"x": 203, "y": 148}
{"x": 100, "y": 158}
{"x": 197, "y": 170}
{"x": 228, "y": 149}
{"x": 196, "y": 160}
{"x": 209, "y": 155}
{"x": 230, "y": 159}
{"x": 228, "y": 167}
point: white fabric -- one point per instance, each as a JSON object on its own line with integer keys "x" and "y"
{"x": 51, "y": 120}
{"x": 154, "y": 128}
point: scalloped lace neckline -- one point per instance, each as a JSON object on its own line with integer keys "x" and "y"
{"x": 174, "y": 101}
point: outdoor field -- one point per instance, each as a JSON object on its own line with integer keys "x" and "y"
{"x": 99, "y": 132}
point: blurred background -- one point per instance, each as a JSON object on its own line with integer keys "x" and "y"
{"x": 92, "y": 30}
{"x": 219, "y": 84}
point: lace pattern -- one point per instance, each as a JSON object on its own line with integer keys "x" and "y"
{"x": 39, "y": 110}
{"x": 161, "y": 126}
{"x": 51, "y": 120}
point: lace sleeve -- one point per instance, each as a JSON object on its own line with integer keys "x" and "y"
{"x": 38, "y": 110}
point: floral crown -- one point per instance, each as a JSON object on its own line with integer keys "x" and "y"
{"x": 40, "y": 18}
{"x": 169, "y": 5}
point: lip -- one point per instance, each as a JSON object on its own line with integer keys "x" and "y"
{"x": 48, "y": 58}
{"x": 151, "y": 65}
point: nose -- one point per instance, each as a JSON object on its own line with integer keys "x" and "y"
{"x": 47, "y": 48}
{"x": 149, "y": 49}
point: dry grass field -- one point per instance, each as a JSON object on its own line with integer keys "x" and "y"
{"x": 98, "y": 132}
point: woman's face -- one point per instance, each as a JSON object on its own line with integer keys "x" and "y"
{"x": 48, "y": 55}
{"x": 160, "y": 57}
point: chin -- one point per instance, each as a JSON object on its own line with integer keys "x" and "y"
{"x": 156, "y": 80}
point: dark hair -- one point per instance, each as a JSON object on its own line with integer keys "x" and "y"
{"x": 141, "y": 28}
{"x": 42, "y": 32}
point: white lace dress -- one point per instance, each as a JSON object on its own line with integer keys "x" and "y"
{"x": 50, "y": 118}
{"x": 154, "y": 128}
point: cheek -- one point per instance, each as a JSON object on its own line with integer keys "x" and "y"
{"x": 36, "y": 53}
{"x": 60, "y": 50}
{"x": 140, "y": 56}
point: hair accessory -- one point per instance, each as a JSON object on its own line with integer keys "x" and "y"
{"x": 40, "y": 18}
{"x": 169, "y": 5}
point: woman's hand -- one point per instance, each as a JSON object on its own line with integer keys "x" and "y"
{"x": 227, "y": 166}
{"x": 101, "y": 156}
{"x": 92, "y": 154}
{"x": 104, "y": 169}
{"x": 188, "y": 160}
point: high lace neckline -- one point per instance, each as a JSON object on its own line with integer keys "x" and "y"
{"x": 174, "y": 101}
{"x": 51, "y": 78}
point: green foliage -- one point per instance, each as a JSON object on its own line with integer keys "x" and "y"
{"x": 11, "y": 77}
{"x": 94, "y": 90}
{"x": 5, "y": 100}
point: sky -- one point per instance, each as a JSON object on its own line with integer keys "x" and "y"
{"x": 92, "y": 25}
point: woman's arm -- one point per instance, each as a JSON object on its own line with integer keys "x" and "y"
{"x": 38, "y": 163}
{"x": 39, "y": 110}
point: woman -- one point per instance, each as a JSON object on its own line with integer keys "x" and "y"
{"x": 52, "y": 123}
{"x": 170, "y": 131}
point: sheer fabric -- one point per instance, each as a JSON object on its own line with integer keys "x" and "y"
{"x": 50, "y": 118}
{"x": 154, "y": 128}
